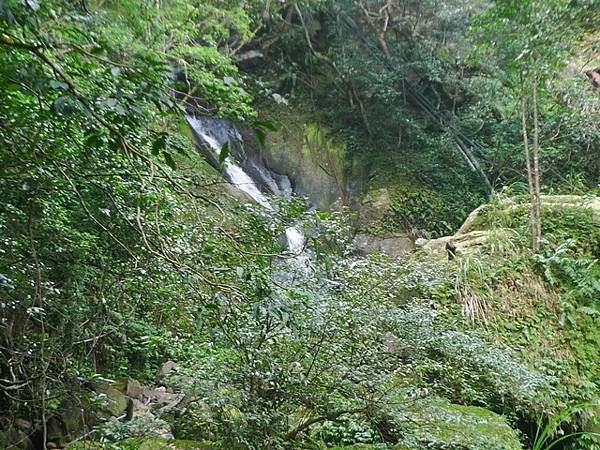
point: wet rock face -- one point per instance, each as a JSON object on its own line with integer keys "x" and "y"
{"x": 316, "y": 163}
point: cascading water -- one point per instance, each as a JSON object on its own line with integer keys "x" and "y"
{"x": 233, "y": 172}
{"x": 216, "y": 134}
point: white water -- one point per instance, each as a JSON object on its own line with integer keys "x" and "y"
{"x": 236, "y": 175}
{"x": 295, "y": 239}
{"x": 239, "y": 178}
{"x": 242, "y": 181}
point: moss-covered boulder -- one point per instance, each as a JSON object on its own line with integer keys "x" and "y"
{"x": 374, "y": 207}
{"x": 392, "y": 245}
{"x": 74, "y": 417}
{"x": 439, "y": 424}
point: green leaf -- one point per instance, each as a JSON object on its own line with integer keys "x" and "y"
{"x": 224, "y": 153}
{"x": 261, "y": 135}
{"x": 588, "y": 310}
{"x": 269, "y": 125}
{"x": 94, "y": 140}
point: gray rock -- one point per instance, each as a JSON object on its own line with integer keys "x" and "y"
{"x": 162, "y": 400}
{"x": 472, "y": 237}
{"x": 463, "y": 244}
{"x": 149, "y": 425}
{"x": 17, "y": 439}
{"x": 116, "y": 402}
{"x": 250, "y": 54}
{"x": 374, "y": 207}
{"x": 394, "y": 246}
{"x": 134, "y": 389}
{"x": 72, "y": 419}
{"x": 23, "y": 425}
{"x": 165, "y": 370}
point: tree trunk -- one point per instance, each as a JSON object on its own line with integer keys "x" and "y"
{"x": 537, "y": 214}
{"x": 530, "y": 181}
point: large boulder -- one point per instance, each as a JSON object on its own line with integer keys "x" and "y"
{"x": 589, "y": 203}
{"x": 115, "y": 401}
{"x": 374, "y": 206}
{"x": 459, "y": 244}
{"x": 392, "y": 245}
{"x": 316, "y": 163}
{"x": 438, "y": 424}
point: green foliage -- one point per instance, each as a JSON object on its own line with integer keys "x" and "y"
{"x": 543, "y": 305}
{"x": 544, "y": 437}
{"x": 99, "y": 269}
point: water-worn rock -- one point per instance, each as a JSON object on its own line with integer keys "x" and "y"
{"x": 459, "y": 244}
{"x": 591, "y": 203}
{"x": 472, "y": 236}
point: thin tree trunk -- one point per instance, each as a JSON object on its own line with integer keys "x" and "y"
{"x": 537, "y": 216}
{"x": 530, "y": 181}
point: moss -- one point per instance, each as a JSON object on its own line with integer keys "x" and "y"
{"x": 313, "y": 159}
{"x": 421, "y": 210}
{"x": 437, "y": 424}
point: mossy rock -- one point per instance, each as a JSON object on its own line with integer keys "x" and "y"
{"x": 439, "y": 424}
{"x": 116, "y": 402}
{"x": 315, "y": 162}
{"x": 511, "y": 211}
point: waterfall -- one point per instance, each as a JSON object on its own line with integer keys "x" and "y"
{"x": 233, "y": 172}
{"x": 216, "y": 134}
